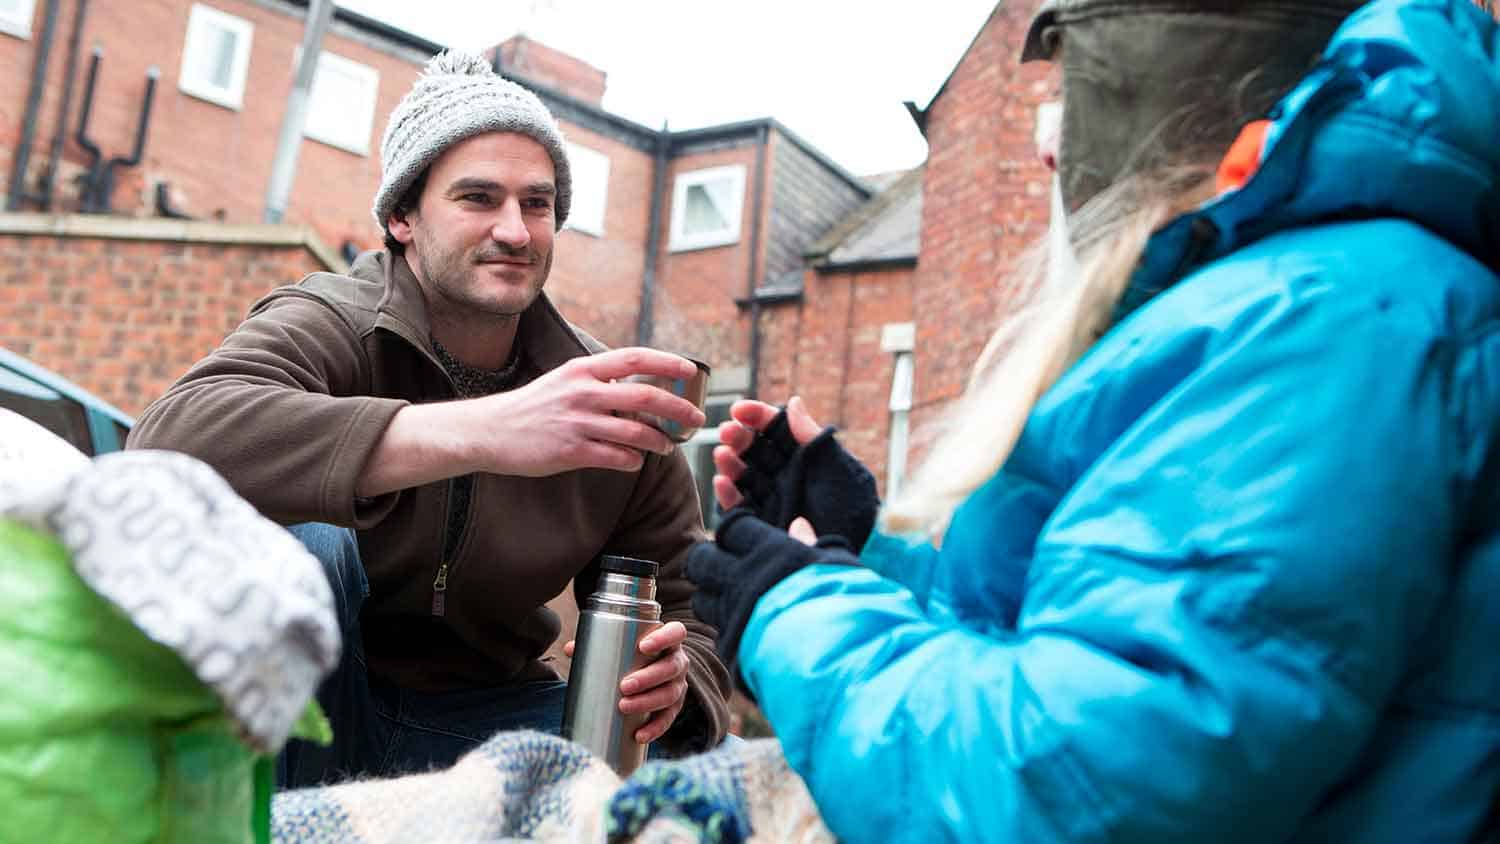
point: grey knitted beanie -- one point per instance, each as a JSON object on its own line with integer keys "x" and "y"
{"x": 458, "y": 96}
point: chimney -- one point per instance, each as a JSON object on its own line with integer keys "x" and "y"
{"x": 534, "y": 61}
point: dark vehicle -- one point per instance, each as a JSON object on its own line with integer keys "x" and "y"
{"x": 89, "y": 423}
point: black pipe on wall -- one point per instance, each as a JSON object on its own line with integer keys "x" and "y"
{"x": 99, "y": 180}
{"x": 752, "y": 282}
{"x": 82, "y": 133}
{"x": 107, "y": 179}
{"x": 60, "y": 134}
{"x": 17, "y": 192}
{"x": 645, "y": 324}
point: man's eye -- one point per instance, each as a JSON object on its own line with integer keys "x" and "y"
{"x": 539, "y": 202}
{"x": 482, "y": 198}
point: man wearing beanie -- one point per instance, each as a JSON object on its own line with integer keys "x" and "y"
{"x": 454, "y": 451}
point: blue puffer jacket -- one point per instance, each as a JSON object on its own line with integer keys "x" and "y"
{"x": 1240, "y": 579}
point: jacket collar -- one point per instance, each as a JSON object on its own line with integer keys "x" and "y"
{"x": 547, "y": 339}
{"x": 1398, "y": 120}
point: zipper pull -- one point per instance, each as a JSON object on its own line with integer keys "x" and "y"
{"x": 439, "y": 587}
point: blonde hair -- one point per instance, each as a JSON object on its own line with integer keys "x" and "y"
{"x": 1057, "y": 318}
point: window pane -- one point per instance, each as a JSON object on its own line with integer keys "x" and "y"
{"x": 706, "y": 207}
{"x": 215, "y": 56}
{"x": 703, "y": 204}
{"x": 336, "y": 93}
{"x": 217, "y": 62}
{"x": 341, "y": 105}
{"x": 590, "y": 189}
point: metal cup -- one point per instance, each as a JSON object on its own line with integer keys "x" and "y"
{"x": 694, "y": 389}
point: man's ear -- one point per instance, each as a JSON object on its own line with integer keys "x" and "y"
{"x": 399, "y": 224}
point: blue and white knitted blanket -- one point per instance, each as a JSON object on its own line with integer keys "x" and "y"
{"x": 527, "y": 786}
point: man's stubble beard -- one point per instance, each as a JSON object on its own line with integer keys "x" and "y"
{"x": 453, "y": 278}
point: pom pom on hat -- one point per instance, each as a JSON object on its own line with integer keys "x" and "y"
{"x": 457, "y": 62}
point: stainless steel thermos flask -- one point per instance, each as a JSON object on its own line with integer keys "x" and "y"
{"x": 622, "y": 610}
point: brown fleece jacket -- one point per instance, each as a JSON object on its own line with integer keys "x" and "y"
{"x": 290, "y": 407}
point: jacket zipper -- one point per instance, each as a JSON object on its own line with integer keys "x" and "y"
{"x": 445, "y": 564}
{"x": 440, "y": 590}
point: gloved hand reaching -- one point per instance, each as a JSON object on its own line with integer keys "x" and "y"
{"x": 747, "y": 558}
{"x": 782, "y": 467}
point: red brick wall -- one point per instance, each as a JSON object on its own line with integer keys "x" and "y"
{"x": 984, "y": 201}
{"x": 552, "y": 68}
{"x": 15, "y": 68}
{"x": 694, "y": 310}
{"x": 217, "y": 160}
{"x": 125, "y": 318}
{"x": 827, "y": 349}
{"x": 596, "y": 281}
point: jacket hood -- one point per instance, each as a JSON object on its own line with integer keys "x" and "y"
{"x": 1400, "y": 118}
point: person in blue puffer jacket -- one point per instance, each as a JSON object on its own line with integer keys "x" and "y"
{"x": 1211, "y": 549}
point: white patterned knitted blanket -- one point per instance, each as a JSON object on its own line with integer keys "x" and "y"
{"x": 527, "y": 786}
{"x": 166, "y": 540}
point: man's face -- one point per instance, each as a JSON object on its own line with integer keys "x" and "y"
{"x": 480, "y": 238}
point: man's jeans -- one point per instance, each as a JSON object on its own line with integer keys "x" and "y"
{"x": 380, "y": 729}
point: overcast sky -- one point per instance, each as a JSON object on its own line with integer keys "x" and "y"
{"x": 833, "y": 71}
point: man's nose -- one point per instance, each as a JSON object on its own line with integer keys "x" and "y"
{"x": 509, "y": 227}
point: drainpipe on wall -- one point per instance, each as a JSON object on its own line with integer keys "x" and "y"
{"x": 645, "y": 323}
{"x": 284, "y": 167}
{"x": 97, "y": 187}
{"x": 751, "y": 283}
{"x": 60, "y": 137}
{"x": 17, "y": 192}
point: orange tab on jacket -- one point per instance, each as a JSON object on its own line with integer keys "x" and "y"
{"x": 1243, "y": 158}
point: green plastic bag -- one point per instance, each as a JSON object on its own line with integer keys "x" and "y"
{"x": 106, "y": 735}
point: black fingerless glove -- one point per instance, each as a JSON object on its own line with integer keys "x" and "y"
{"x": 746, "y": 559}
{"x": 819, "y": 480}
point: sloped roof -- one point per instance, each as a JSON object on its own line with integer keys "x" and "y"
{"x": 885, "y": 230}
{"x": 919, "y": 113}
{"x": 565, "y": 106}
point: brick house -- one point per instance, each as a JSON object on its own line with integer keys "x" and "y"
{"x": 668, "y": 230}
{"x": 899, "y": 298}
{"x": 740, "y": 244}
{"x": 986, "y": 201}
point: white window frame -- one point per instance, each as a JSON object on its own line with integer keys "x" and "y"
{"x": 682, "y": 241}
{"x": 590, "y": 172}
{"x": 349, "y": 136}
{"x": 900, "y": 339}
{"x": 18, "y": 23}
{"x": 233, "y": 95}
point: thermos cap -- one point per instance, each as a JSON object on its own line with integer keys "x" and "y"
{"x": 628, "y": 565}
